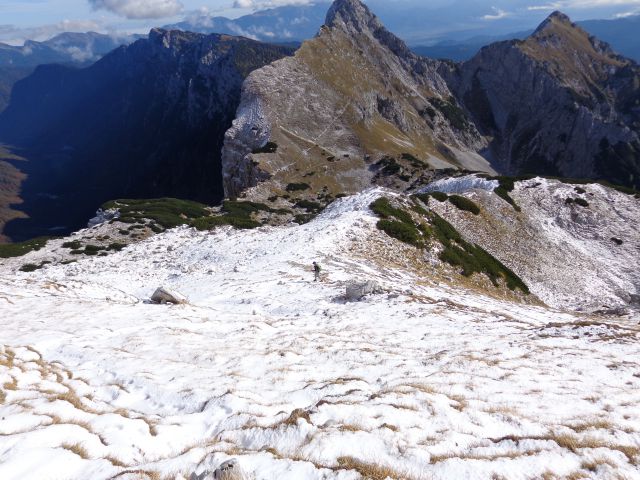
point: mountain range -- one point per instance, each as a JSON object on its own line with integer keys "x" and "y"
{"x": 17, "y": 62}
{"x": 620, "y": 33}
{"x": 428, "y": 30}
{"x": 355, "y": 102}
{"x": 146, "y": 120}
{"x": 352, "y": 107}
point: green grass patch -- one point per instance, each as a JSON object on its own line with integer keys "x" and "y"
{"x": 303, "y": 218}
{"x": 166, "y": 212}
{"x": 463, "y": 203}
{"x": 415, "y": 162}
{"x": 383, "y": 208}
{"x": 389, "y": 166}
{"x": 577, "y": 201}
{"x": 32, "y": 267}
{"x": 73, "y": 245}
{"x": 19, "y": 249}
{"x": 298, "y": 187}
{"x": 407, "y": 233}
{"x": 310, "y": 206}
{"x": 452, "y": 112}
{"x": 399, "y": 224}
{"x": 439, "y": 196}
{"x": 269, "y": 147}
{"x": 472, "y": 258}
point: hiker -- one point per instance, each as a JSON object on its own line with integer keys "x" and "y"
{"x": 316, "y": 271}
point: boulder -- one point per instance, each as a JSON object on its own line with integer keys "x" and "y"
{"x": 357, "y": 290}
{"x": 164, "y": 295}
{"x": 230, "y": 470}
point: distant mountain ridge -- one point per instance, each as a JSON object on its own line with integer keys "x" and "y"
{"x": 301, "y": 22}
{"x": 620, "y": 33}
{"x": 146, "y": 120}
{"x": 351, "y": 108}
{"x": 560, "y": 102}
{"x": 17, "y": 62}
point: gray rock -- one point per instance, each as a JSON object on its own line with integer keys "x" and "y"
{"x": 163, "y": 295}
{"x": 355, "y": 291}
{"x": 230, "y": 470}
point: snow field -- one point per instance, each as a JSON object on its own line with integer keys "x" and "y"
{"x": 426, "y": 382}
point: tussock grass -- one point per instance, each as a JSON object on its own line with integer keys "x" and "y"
{"x": 12, "y": 385}
{"x": 351, "y": 427}
{"x": 592, "y": 424}
{"x": 574, "y": 443}
{"x": 371, "y": 471}
{"x": 388, "y": 426}
{"x": 116, "y": 462}
{"x": 295, "y": 415}
{"x": 78, "y": 449}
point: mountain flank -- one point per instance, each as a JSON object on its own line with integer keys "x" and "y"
{"x": 147, "y": 120}
{"x": 559, "y": 102}
{"x": 350, "y": 97}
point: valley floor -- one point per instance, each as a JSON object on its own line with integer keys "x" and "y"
{"x": 425, "y": 381}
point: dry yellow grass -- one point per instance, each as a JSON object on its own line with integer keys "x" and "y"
{"x": 371, "y": 471}
{"x": 78, "y": 449}
{"x": 12, "y": 385}
{"x": 388, "y": 426}
{"x": 351, "y": 428}
{"x": 116, "y": 462}
{"x": 592, "y": 424}
{"x": 295, "y": 415}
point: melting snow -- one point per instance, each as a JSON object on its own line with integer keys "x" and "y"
{"x": 460, "y": 185}
{"x": 264, "y": 365}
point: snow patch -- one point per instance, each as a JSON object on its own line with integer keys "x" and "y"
{"x": 460, "y": 185}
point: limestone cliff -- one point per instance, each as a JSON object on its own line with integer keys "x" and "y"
{"x": 350, "y": 96}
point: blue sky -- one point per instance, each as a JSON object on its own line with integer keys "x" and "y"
{"x": 40, "y": 19}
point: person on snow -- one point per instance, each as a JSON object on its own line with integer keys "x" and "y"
{"x": 316, "y": 271}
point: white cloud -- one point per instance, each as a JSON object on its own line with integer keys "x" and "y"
{"x": 17, "y": 36}
{"x": 139, "y": 9}
{"x": 497, "y": 14}
{"x": 260, "y": 4}
{"x": 583, "y": 4}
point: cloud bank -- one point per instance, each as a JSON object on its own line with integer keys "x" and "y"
{"x": 139, "y": 9}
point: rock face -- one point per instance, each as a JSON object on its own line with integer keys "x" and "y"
{"x": 163, "y": 295}
{"x": 354, "y": 93}
{"x": 147, "y": 120}
{"x": 356, "y": 291}
{"x": 559, "y": 103}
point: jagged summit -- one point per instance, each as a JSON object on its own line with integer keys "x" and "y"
{"x": 354, "y": 17}
{"x": 351, "y": 15}
{"x": 556, "y": 18}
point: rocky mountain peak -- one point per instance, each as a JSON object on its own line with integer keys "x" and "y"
{"x": 557, "y": 18}
{"x": 351, "y": 15}
{"x": 354, "y": 18}
{"x": 171, "y": 39}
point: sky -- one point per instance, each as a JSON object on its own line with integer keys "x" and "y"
{"x": 41, "y": 19}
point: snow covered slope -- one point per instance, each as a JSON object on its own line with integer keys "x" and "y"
{"x": 582, "y": 255}
{"x": 427, "y": 381}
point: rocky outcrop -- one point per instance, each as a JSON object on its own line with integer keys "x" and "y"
{"x": 351, "y": 95}
{"x": 560, "y": 103}
{"x": 165, "y": 296}
{"x": 356, "y": 291}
